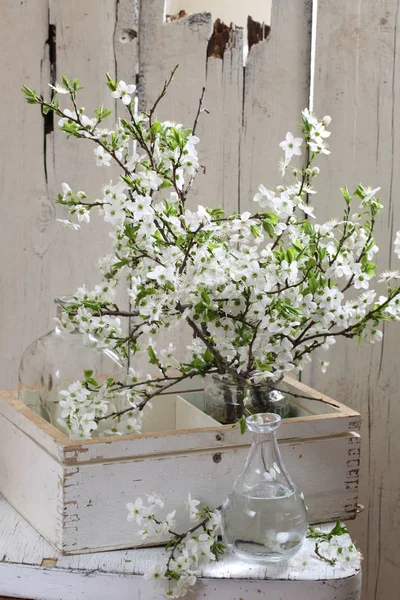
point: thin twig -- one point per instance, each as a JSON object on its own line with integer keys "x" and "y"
{"x": 163, "y": 92}
{"x": 199, "y": 110}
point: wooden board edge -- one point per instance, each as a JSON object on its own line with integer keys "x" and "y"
{"x": 305, "y": 389}
{"x": 10, "y": 403}
{"x": 67, "y": 446}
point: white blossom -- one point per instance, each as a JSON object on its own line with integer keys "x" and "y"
{"x": 103, "y": 158}
{"x": 291, "y": 145}
{"x": 69, "y": 224}
{"x": 124, "y": 92}
{"x": 59, "y": 89}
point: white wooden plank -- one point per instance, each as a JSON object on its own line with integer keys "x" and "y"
{"x": 126, "y": 36}
{"x": 142, "y": 445}
{"x": 24, "y": 200}
{"x": 75, "y": 585}
{"x": 39, "y": 259}
{"x": 32, "y": 481}
{"x": 25, "y": 571}
{"x": 186, "y": 42}
{"x": 85, "y": 50}
{"x": 276, "y": 89}
{"x": 357, "y": 82}
{"x": 324, "y": 417}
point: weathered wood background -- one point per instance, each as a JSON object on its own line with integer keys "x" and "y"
{"x": 356, "y": 81}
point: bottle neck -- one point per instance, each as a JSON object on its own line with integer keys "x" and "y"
{"x": 264, "y": 466}
{"x": 264, "y": 451}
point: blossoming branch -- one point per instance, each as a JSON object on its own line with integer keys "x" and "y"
{"x": 260, "y": 292}
{"x": 187, "y": 552}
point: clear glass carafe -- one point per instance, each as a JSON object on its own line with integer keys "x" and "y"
{"x": 57, "y": 359}
{"x": 264, "y": 518}
{"x": 227, "y": 401}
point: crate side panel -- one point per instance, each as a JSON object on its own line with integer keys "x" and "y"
{"x": 335, "y": 423}
{"x": 30, "y": 479}
{"x": 97, "y": 494}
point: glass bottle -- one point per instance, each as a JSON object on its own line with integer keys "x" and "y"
{"x": 227, "y": 401}
{"x": 264, "y": 518}
{"x": 57, "y": 359}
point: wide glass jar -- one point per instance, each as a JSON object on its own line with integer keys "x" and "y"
{"x": 57, "y": 359}
{"x": 227, "y": 401}
{"x": 264, "y": 518}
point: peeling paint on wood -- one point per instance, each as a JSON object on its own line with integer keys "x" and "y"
{"x": 256, "y": 32}
{"x": 220, "y": 39}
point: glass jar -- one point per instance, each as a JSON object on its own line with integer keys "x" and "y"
{"x": 227, "y": 401}
{"x": 264, "y": 518}
{"x": 57, "y": 359}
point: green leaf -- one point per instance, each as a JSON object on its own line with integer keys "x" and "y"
{"x": 156, "y": 127}
{"x": 169, "y": 286}
{"x": 102, "y": 112}
{"x": 176, "y": 135}
{"x": 207, "y": 356}
{"x": 217, "y": 213}
{"x": 66, "y": 81}
{"x": 165, "y": 184}
{"x": 255, "y": 231}
{"x": 268, "y": 228}
{"x": 205, "y": 298}
{"x": 71, "y": 129}
{"x": 291, "y": 254}
{"x": 111, "y": 84}
{"x": 346, "y": 195}
{"x": 242, "y": 424}
{"x": 308, "y": 228}
{"x": 360, "y": 192}
{"x": 271, "y": 217}
{"x": 152, "y": 356}
{"x": 322, "y": 253}
{"x": 32, "y": 96}
{"x": 198, "y": 363}
{"x": 131, "y": 230}
{"x": 121, "y": 263}
{"x": 369, "y": 268}
{"x": 312, "y": 284}
{"x": 88, "y": 373}
{"x": 297, "y": 246}
{"x": 76, "y": 86}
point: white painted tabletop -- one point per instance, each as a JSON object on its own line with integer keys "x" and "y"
{"x": 31, "y": 568}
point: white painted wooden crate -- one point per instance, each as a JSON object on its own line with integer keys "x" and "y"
{"x": 74, "y": 492}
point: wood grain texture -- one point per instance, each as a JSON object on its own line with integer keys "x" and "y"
{"x": 185, "y": 42}
{"x": 358, "y": 84}
{"x": 31, "y": 567}
{"x": 39, "y": 259}
{"x": 276, "y": 89}
{"x": 356, "y": 81}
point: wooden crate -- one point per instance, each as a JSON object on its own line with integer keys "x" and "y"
{"x": 74, "y": 492}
